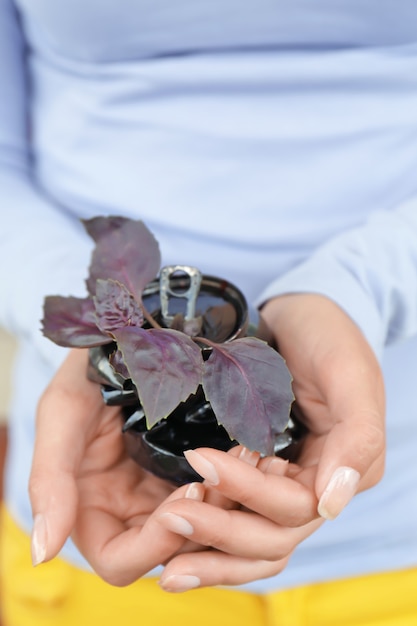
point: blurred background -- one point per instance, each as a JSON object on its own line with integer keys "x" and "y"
{"x": 7, "y": 351}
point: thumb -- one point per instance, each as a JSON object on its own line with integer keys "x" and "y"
{"x": 54, "y": 505}
{"x": 353, "y": 453}
{"x": 352, "y": 460}
{"x": 63, "y": 420}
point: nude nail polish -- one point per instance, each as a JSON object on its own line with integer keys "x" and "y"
{"x": 275, "y": 465}
{"x": 177, "y": 583}
{"x": 340, "y": 490}
{"x": 38, "y": 542}
{"x": 202, "y": 466}
{"x": 249, "y": 457}
{"x": 194, "y": 492}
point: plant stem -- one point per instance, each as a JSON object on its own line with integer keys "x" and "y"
{"x": 148, "y": 317}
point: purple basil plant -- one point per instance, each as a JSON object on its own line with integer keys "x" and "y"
{"x": 245, "y": 380}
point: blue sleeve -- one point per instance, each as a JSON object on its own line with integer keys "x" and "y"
{"x": 370, "y": 272}
{"x": 37, "y": 237}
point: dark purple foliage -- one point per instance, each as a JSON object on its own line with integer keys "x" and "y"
{"x": 165, "y": 365}
{"x": 246, "y": 381}
{"x": 71, "y": 322}
{"x": 125, "y": 251}
{"x": 249, "y": 387}
{"x": 115, "y": 307}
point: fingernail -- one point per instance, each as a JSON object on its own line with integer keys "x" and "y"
{"x": 275, "y": 465}
{"x": 249, "y": 457}
{"x": 177, "y": 524}
{"x": 338, "y": 493}
{"x": 194, "y": 491}
{"x": 202, "y": 466}
{"x": 178, "y": 583}
{"x": 38, "y": 544}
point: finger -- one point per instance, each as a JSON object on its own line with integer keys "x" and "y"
{"x": 210, "y": 568}
{"x": 271, "y": 465}
{"x": 274, "y": 465}
{"x": 63, "y": 421}
{"x": 251, "y": 457}
{"x": 352, "y": 457}
{"x": 120, "y": 553}
{"x": 215, "y": 497}
{"x": 278, "y": 498}
{"x": 240, "y": 533}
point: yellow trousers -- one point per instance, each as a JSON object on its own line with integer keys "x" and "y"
{"x": 58, "y": 594}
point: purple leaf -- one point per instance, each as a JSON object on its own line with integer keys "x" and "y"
{"x": 249, "y": 388}
{"x": 71, "y": 322}
{"x": 165, "y": 365}
{"x": 125, "y": 251}
{"x": 100, "y": 226}
{"x": 115, "y": 306}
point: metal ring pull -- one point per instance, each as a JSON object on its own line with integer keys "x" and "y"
{"x": 190, "y": 294}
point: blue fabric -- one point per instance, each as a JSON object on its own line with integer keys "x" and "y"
{"x": 272, "y": 143}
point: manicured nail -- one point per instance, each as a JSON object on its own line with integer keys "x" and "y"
{"x": 202, "y": 466}
{"x": 249, "y": 457}
{"x": 338, "y": 493}
{"x": 176, "y": 584}
{"x": 275, "y": 465}
{"x": 177, "y": 524}
{"x": 38, "y": 545}
{"x": 194, "y": 492}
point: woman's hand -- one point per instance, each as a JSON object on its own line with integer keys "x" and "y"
{"x": 340, "y": 397}
{"x": 339, "y": 393}
{"x": 83, "y": 484}
{"x": 278, "y": 510}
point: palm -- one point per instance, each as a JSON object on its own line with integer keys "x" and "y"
{"x": 111, "y": 484}
{"x": 115, "y": 527}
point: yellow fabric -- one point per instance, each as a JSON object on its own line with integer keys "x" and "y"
{"x": 57, "y": 594}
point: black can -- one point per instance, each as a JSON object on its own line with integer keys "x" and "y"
{"x": 219, "y": 312}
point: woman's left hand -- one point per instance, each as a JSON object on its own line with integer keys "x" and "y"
{"x": 278, "y": 510}
{"x": 339, "y": 394}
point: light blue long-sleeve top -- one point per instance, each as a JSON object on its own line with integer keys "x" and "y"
{"x": 273, "y": 143}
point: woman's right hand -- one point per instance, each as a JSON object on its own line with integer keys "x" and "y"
{"x": 83, "y": 484}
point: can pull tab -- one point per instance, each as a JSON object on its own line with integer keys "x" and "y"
{"x": 189, "y": 290}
